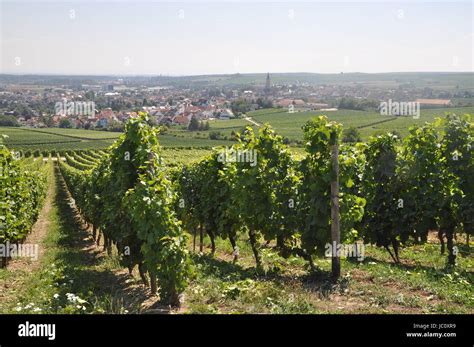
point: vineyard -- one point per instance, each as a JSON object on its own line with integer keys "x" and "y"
{"x": 23, "y": 184}
{"x": 246, "y": 228}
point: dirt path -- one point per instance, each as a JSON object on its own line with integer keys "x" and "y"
{"x": 249, "y": 119}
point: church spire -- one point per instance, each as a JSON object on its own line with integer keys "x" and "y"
{"x": 267, "y": 84}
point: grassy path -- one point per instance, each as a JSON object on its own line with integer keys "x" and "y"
{"x": 72, "y": 275}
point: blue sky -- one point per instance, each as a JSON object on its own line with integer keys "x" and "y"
{"x": 198, "y": 37}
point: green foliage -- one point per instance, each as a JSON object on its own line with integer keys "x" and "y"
{"x": 264, "y": 103}
{"x": 380, "y": 189}
{"x": 317, "y": 172}
{"x": 367, "y": 122}
{"x": 240, "y": 106}
{"x": 215, "y": 135}
{"x": 264, "y": 187}
{"x": 78, "y": 163}
{"x": 424, "y": 177}
{"x": 65, "y": 123}
{"x": 351, "y": 135}
{"x": 356, "y": 104}
{"x": 389, "y": 192}
{"x": 8, "y": 121}
{"x": 352, "y": 201}
{"x": 128, "y": 196}
{"x": 248, "y": 187}
{"x": 458, "y": 149}
{"x": 193, "y": 124}
{"x": 22, "y": 190}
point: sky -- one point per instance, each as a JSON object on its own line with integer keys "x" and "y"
{"x": 199, "y": 37}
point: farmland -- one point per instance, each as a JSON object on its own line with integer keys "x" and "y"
{"x": 289, "y": 125}
{"x": 55, "y": 139}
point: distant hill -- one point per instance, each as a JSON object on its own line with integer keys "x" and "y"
{"x": 435, "y": 80}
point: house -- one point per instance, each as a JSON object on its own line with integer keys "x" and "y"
{"x": 226, "y": 114}
{"x": 207, "y": 114}
{"x": 166, "y": 120}
{"x": 181, "y": 120}
{"x": 106, "y": 117}
{"x": 192, "y": 109}
{"x": 106, "y": 113}
{"x": 287, "y": 102}
{"x": 317, "y": 105}
{"x": 102, "y": 122}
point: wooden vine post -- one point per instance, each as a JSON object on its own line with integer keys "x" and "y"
{"x": 335, "y": 218}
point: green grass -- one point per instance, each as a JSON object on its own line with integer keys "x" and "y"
{"x": 421, "y": 284}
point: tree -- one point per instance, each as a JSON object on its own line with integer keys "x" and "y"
{"x": 264, "y": 103}
{"x": 65, "y": 123}
{"x": 90, "y": 95}
{"x": 215, "y": 135}
{"x": 351, "y": 135}
{"x": 8, "y": 121}
{"x": 240, "y": 106}
{"x": 193, "y": 124}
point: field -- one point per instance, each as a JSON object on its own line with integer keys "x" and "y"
{"x": 175, "y": 156}
{"x": 77, "y": 139}
{"x": 56, "y": 139}
{"x": 289, "y": 125}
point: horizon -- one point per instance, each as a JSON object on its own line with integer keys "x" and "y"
{"x": 46, "y": 74}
